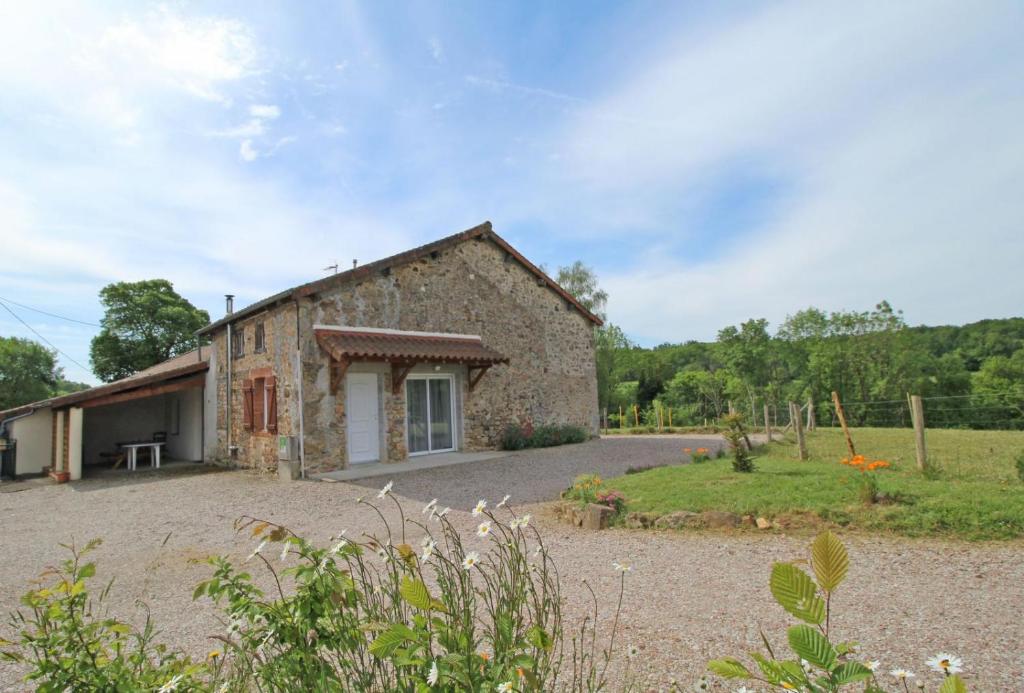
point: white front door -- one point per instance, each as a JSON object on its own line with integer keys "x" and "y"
{"x": 363, "y": 418}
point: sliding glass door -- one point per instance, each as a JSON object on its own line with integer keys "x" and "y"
{"x": 430, "y": 413}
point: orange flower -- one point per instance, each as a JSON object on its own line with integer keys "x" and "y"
{"x": 686, "y": 450}
{"x": 702, "y": 451}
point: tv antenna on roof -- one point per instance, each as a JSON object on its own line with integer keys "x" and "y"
{"x": 332, "y": 267}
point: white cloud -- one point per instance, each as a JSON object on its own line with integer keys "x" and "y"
{"x": 265, "y": 111}
{"x": 196, "y": 54}
{"x": 247, "y": 151}
{"x": 436, "y": 49}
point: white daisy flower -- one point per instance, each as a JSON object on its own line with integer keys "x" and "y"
{"x": 257, "y": 550}
{"x": 622, "y": 567}
{"x": 901, "y": 674}
{"x": 471, "y": 559}
{"x": 436, "y": 516}
{"x": 945, "y": 663}
{"x": 520, "y": 522}
{"x": 504, "y": 687}
{"x": 382, "y": 553}
{"x": 503, "y": 501}
{"x": 484, "y": 529}
{"x": 872, "y": 665}
{"x": 632, "y": 651}
{"x": 386, "y": 490}
{"x": 284, "y": 551}
{"x": 432, "y": 676}
{"x": 429, "y": 507}
{"x": 171, "y": 685}
{"x": 428, "y": 549}
{"x": 339, "y": 546}
{"x": 479, "y": 509}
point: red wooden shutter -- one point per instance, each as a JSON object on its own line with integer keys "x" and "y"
{"x": 271, "y": 387}
{"x": 247, "y": 405}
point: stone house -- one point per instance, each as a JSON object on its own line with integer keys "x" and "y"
{"x": 436, "y": 349}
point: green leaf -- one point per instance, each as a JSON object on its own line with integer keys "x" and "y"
{"x": 390, "y": 640}
{"x": 772, "y": 670}
{"x": 794, "y": 590}
{"x": 87, "y": 570}
{"x": 539, "y": 638}
{"x": 729, "y": 668}
{"x": 810, "y": 644}
{"x": 829, "y": 560}
{"x": 953, "y": 684}
{"x": 850, "y": 672}
{"x": 415, "y": 592}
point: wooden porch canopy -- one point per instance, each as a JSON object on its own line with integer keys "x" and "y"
{"x": 403, "y": 350}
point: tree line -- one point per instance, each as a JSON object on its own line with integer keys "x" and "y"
{"x": 972, "y": 376}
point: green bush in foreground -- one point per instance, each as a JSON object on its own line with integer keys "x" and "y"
{"x": 821, "y": 665}
{"x": 516, "y": 437}
{"x": 73, "y": 646}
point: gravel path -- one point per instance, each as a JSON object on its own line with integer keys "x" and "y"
{"x": 691, "y": 596}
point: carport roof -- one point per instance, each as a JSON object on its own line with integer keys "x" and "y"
{"x": 194, "y": 361}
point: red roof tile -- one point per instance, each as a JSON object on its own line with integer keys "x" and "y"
{"x": 369, "y": 344}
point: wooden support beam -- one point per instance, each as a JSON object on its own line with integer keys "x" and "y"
{"x": 475, "y": 378}
{"x": 142, "y": 392}
{"x": 338, "y": 370}
{"x": 399, "y": 372}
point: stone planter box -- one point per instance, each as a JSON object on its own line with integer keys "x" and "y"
{"x": 594, "y": 516}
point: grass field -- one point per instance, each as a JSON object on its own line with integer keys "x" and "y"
{"x": 975, "y": 493}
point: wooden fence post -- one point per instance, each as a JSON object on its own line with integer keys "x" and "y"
{"x": 917, "y": 414}
{"x": 798, "y": 426}
{"x": 842, "y": 422}
{"x": 811, "y": 423}
{"x": 767, "y": 423}
{"x": 622, "y": 422}
{"x": 670, "y": 417}
{"x": 636, "y": 416}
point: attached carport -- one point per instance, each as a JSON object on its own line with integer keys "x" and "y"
{"x": 164, "y": 402}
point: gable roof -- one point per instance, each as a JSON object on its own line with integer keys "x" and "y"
{"x": 482, "y": 232}
{"x": 174, "y": 367}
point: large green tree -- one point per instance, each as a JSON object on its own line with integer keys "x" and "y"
{"x": 581, "y": 281}
{"x": 145, "y": 322}
{"x": 28, "y": 372}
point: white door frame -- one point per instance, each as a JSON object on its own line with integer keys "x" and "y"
{"x": 375, "y": 434}
{"x": 451, "y": 401}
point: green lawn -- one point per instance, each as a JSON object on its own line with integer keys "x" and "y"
{"x": 976, "y": 495}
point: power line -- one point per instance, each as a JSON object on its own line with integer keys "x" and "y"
{"x": 52, "y": 315}
{"x": 18, "y": 318}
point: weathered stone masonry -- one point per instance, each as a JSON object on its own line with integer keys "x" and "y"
{"x": 472, "y": 286}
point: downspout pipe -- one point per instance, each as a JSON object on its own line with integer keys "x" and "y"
{"x": 229, "y": 304}
{"x": 12, "y": 419}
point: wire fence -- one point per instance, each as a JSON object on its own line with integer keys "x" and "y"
{"x": 979, "y": 411}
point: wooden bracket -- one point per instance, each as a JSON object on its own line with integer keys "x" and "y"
{"x": 399, "y": 372}
{"x": 474, "y": 378}
{"x": 338, "y": 370}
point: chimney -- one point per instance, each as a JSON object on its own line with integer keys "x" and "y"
{"x": 229, "y": 303}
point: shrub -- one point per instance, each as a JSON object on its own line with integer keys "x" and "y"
{"x": 516, "y": 437}
{"x": 821, "y": 665}
{"x": 369, "y": 614}
{"x": 736, "y": 436}
{"x": 867, "y": 480}
{"x": 69, "y": 642}
{"x": 698, "y": 456}
{"x": 584, "y": 489}
{"x": 615, "y": 500}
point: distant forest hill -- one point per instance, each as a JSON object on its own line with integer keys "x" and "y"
{"x": 971, "y": 376}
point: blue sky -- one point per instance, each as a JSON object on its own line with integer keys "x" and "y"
{"x": 712, "y": 163}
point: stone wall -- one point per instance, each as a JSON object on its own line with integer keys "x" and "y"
{"x": 257, "y": 449}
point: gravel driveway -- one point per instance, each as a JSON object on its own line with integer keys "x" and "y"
{"x": 692, "y": 596}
